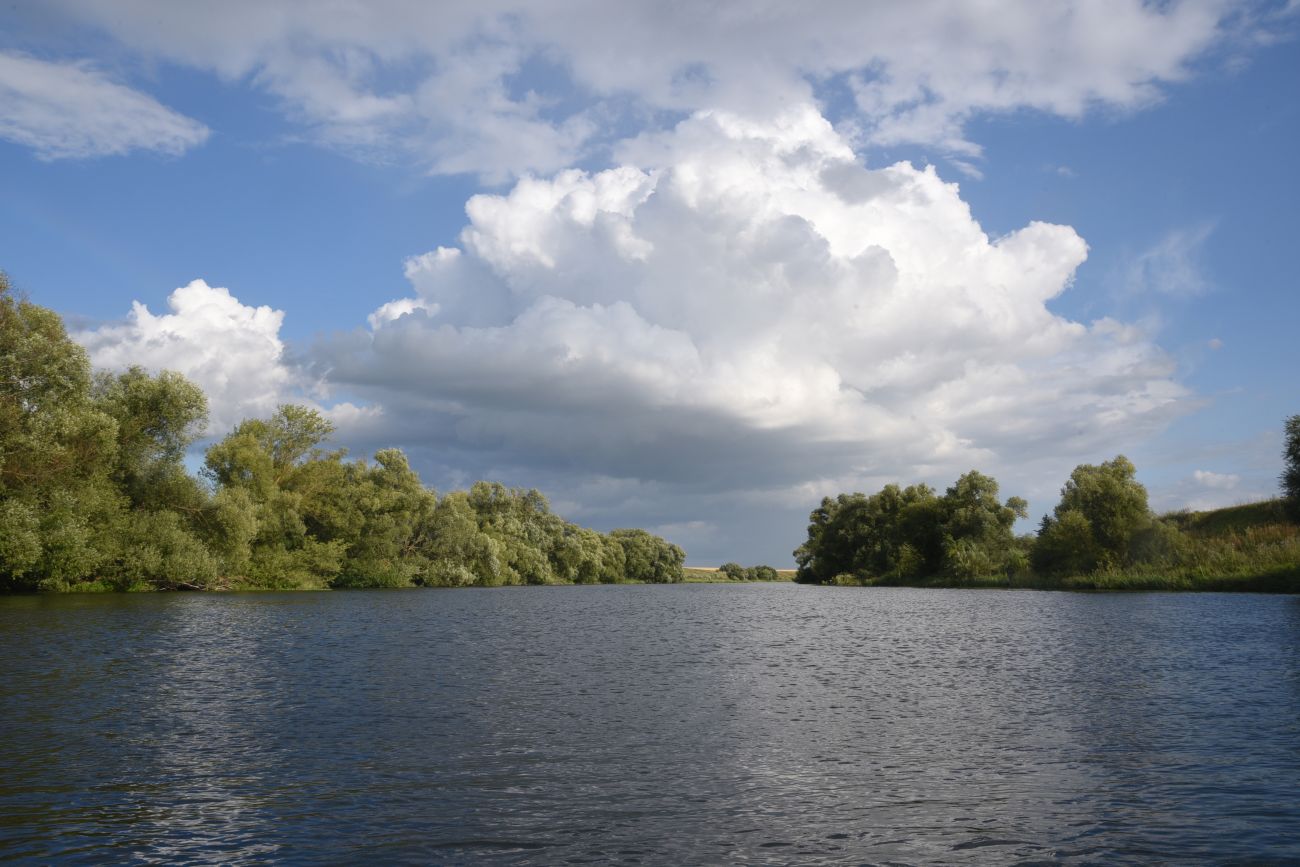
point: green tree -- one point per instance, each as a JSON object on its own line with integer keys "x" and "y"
{"x": 650, "y": 558}
{"x": 900, "y": 534}
{"x": 58, "y": 505}
{"x": 734, "y": 571}
{"x": 279, "y": 467}
{"x": 579, "y": 556}
{"x": 1291, "y": 468}
{"x": 1102, "y": 509}
{"x": 158, "y": 419}
{"x": 977, "y": 528}
{"x": 460, "y": 553}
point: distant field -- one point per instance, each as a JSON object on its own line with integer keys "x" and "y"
{"x": 711, "y": 575}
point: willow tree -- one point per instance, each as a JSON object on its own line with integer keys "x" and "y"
{"x": 57, "y": 503}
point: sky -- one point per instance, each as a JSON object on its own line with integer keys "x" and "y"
{"x": 688, "y": 267}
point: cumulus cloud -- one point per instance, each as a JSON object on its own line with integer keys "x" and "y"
{"x": 502, "y": 87}
{"x": 742, "y": 306}
{"x": 72, "y": 110}
{"x": 1222, "y": 481}
{"x": 231, "y": 350}
{"x": 1207, "y": 489}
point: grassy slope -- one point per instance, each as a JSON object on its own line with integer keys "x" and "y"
{"x": 1251, "y": 547}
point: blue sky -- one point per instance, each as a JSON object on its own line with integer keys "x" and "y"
{"x": 688, "y": 269}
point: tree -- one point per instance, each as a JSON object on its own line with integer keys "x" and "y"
{"x": 158, "y": 419}
{"x": 579, "y": 556}
{"x": 901, "y": 534}
{"x": 978, "y": 539}
{"x": 1066, "y": 544}
{"x": 895, "y": 533}
{"x": 650, "y": 558}
{"x": 289, "y": 482}
{"x": 734, "y": 571}
{"x": 58, "y": 505}
{"x": 1102, "y": 509}
{"x": 460, "y": 553}
{"x": 1291, "y": 468}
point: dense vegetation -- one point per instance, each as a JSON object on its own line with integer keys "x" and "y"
{"x": 902, "y": 534}
{"x": 94, "y": 494}
{"x": 1291, "y": 469}
{"x": 1101, "y": 535}
{"x": 736, "y": 572}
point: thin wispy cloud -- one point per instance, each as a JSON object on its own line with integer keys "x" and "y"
{"x": 444, "y": 84}
{"x": 72, "y": 110}
{"x": 1173, "y": 266}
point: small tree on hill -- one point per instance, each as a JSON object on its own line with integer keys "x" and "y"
{"x": 1291, "y": 468}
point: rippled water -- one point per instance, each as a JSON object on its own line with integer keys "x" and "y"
{"x": 666, "y": 725}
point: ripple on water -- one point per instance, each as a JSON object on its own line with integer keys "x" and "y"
{"x": 764, "y": 724}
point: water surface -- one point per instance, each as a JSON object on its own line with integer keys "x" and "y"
{"x": 658, "y": 725}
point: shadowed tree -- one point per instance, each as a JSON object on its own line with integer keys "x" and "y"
{"x": 1291, "y": 468}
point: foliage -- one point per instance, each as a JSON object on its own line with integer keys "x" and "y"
{"x": 904, "y": 534}
{"x": 1102, "y": 509}
{"x": 1101, "y": 536}
{"x": 56, "y": 451}
{"x": 736, "y": 572}
{"x": 649, "y": 558}
{"x": 1291, "y": 468}
{"x": 94, "y": 494}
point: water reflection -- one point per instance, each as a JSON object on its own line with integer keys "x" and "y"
{"x": 766, "y": 724}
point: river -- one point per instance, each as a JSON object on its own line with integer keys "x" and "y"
{"x": 650, "y": 724}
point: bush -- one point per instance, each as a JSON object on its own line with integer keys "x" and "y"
{"x": 734, "y": 571}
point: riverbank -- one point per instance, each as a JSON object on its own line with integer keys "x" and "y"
{"x": 1250, "y": 548}
{"x": 1285, "y": 581}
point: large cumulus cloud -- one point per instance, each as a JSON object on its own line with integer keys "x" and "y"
{"x": 737, "y": 318}
{"x": 232, "y": 350}
{"x": 744, "y": 307}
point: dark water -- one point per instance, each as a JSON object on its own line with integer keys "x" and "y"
{"x": 665, "y": 725}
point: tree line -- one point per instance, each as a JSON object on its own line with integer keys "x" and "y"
{"x": 94, "y": 493}
{"x": 1100, "y": 534}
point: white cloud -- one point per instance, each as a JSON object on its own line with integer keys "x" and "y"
{"x": 1204, "y": 490}
{"x": 1172, "y": 266}
{"x": 71, "y": 110}
{"x": 396, "y": 309}
{"x": 1218, "y": 481}
{"x": 743, "y": 307}
{"x": 505, "y": 87}
{"x": 231, "y": 350}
